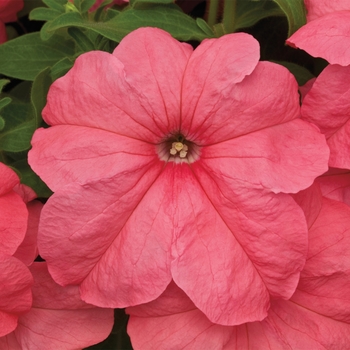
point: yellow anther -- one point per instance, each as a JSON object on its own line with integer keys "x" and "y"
{"x": 178, "y": 146}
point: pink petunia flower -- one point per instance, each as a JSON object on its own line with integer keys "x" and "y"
{"x": 327, "y": 104}
{"x": 58, "y": 319}
{"x": 316, "y": 317}
{"x": 8, "y": 13}
{"x": 169, "y": 163}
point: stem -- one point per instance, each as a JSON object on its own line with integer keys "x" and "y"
{"x": 229, "y": 16}
{"x": 213, "y": 12}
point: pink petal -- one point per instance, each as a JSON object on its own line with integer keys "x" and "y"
{"x": 219, "y": 104}
{"x": 14, "y": 214}
{"x": 113, "y": 231}
{"x": 282, "y": 158}
{"x": 59, "y": 319}
{"x": 82, "y": 154}
{"x": 270, "y": 228}
{"x": 319, "y": 8}
{"x": 310, "y": 200}
{"x": 327, "y": 105}
{"x": 158, "y": 325}
{"x": 306, "y": 88}
{"x": 157, "y": 73}
{"x": 15, "y": 292}
{"x": 325, "y": 281}
{"x": 28, "y": 249}
{"x": 327, "y": 37}
{"x": 8, "y": 179}
{"x": 9, "y": 342}
{"x": 26, "y": 193}
{"x": 13, "y": 223}
{"x": 106, "y": 92}
{"x": 317, "y": 316}
{"x": 235, "y": 246}
{"x": 335, "y": 184}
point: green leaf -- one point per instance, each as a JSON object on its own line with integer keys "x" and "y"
{"x": 301, "y": 74}
{"x": 44, "y": 14}
{"x": 38, "y": 95}
{"x": 4, "y": 102}
{"x": 81, "y": 39}
{"x": 2, "y": 123}
{"x": 26, "y": 56}
{"x": 55, "y": 4}
{"x": 141, "y": 4}
{"x": 19, "y": 127}
{"x": 169, "y": 18}
{"x": 202, "y": 24}
{"x": 29, "y": 178}
{"x": 249, "y": 13}
{"x": 3, "y": 82}
{"x": 295, "y": 12}
{"x": 86, "y": 5}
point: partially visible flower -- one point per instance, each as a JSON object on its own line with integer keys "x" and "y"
{"x": 8, "y": 13}
{"x": 98, "y": 3}
{"x": 316, "y": 317}
{"x": 58, "y": 318}
{"x": 327, "y": 37}
{"x": 177, "y": 164}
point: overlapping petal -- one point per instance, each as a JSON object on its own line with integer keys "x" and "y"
{"x": 82, "y": 154}
{"x": 327, "y": 105}
{"x": 156, "y": 75}
{"x": 283, "y": 158}
{"x": 58, "y": 318}
{"x": 28, "y": 250}
{"x": 123, "y": 262}
{"x": 327, "y": 37}
{"x": 316, "y": 317}
{"x": 335, "y": 184}
{"x": 103, "y": 92}
{"x": 270, "y": 229}
{"x": 223, "y": 104}
{"x": 14, "y": 214}
{"x": 15, "y": 292}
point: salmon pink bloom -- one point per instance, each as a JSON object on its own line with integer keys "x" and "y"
{"x": 58, "y": 318}
{"x": 169, "y": 163}
{"x": 316, "y": 317}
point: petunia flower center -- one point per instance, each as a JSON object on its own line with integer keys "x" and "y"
{"x": 176, "y": 148}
